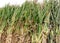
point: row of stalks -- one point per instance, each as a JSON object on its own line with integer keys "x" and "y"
{"x": 30, "y": 23}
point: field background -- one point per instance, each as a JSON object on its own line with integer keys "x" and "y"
{"x": 15, "y": 2}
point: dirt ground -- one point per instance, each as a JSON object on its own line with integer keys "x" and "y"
{"x": 14, "y": 38}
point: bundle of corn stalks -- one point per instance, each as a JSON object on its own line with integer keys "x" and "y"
{"x": 30, "y": 23}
